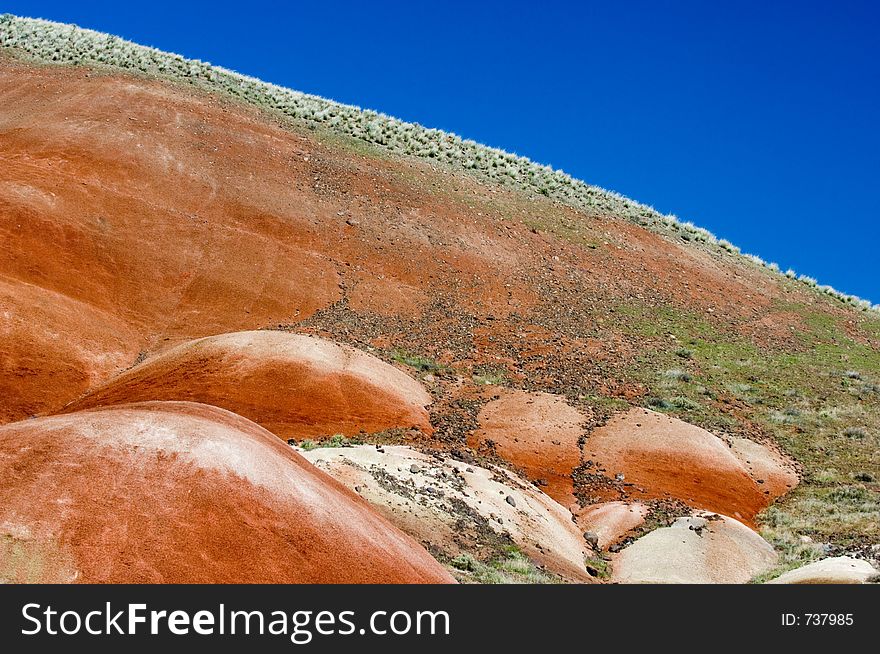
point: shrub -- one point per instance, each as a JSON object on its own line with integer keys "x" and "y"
{"x": 464, "y": 562}
{"x": 685, "y": 404}
{"x": 849, "y": 494}
{"x": 511, "y": 567}
{"x": 337, "y": 440}
{"x": 809, "y": 281}
{"x": 788, "y": 416}
{"x": 417, "y": 361}
{"x": 677, "y": 375}
{"x": 858, "y": 433}
{"x": 490, "y": 378}
{"x": 660, "y": 403}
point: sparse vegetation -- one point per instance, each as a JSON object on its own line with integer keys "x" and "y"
{"x": 788, "y": 416}
{"x": 417, "y": 361}
{"x": 685, "y": 404}
{"x": 489, "y": 376}
{"x": 677, "y": 374}
{"x": 678, "y": 403}
{"x": 337, "y": 440}
{"x": 799, "y": 394}
{"x": 858, "y": 433}
{"x": 510, "y": 567}
{"x": 660, "y": 403}
{"x": 741, "y": 390}
{"x": 598, "y": 567}
{"x": 826, "y": 420}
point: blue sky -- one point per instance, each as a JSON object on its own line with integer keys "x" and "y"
{"x": 758, "y": 121}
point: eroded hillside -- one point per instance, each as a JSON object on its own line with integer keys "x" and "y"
{"x": 421, "y": 333}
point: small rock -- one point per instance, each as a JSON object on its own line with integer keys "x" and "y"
{"x": 509, "y": 499}
{"x": 592, "y": 538}
{"x": 619, "y": 476}
{"x": 353, "y": 222}
{"x": 429, "y": 378}
{"x": 468, "y": 469}
{"x": 415, "y": 469}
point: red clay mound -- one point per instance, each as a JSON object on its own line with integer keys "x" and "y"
{"x": 293, "y": 385}
{"x": 537, "y": 432}
{"x": 663, "y": 457}
{"x": 53, "y": 348}
{"x": 177, "y": 492}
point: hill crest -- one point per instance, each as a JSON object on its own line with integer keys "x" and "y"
{"x": 59, "y": 43}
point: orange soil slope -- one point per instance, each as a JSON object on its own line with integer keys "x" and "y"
{"x": 293, "y": 385}
{"x": 53, "y": 347}
{"x": 158, "y": 215}
{"x": 172, "y": 492}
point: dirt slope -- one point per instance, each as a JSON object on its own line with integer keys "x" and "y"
{"x": 171, "y": 217}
